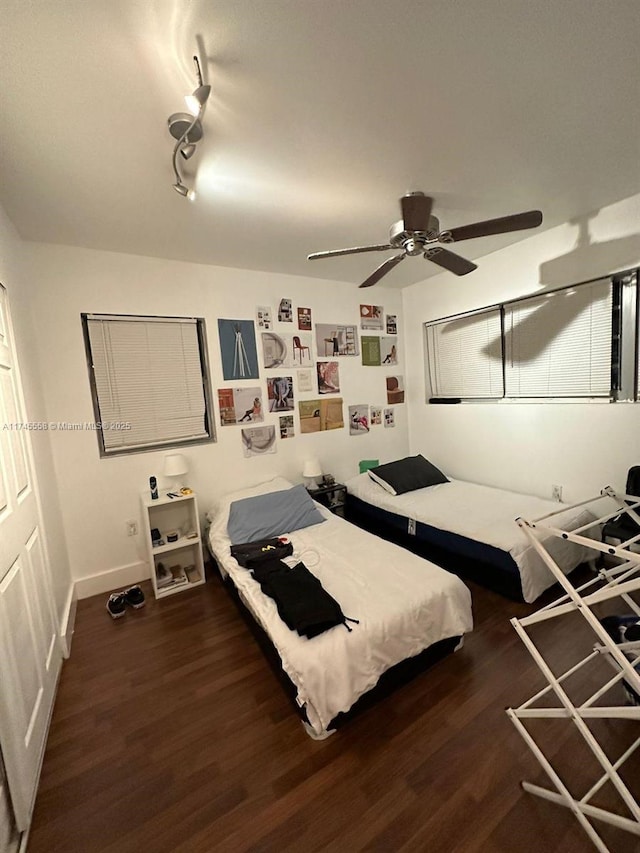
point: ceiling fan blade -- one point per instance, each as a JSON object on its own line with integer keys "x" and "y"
{"x": 383, "y": 269}
{"x": 334, "y": 253}
{"x": 515, "y": 222}
{"x": 449, "y": 260}
{"x": 416, "y": 210}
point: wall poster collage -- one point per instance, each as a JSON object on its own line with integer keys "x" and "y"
{"x": 290, "y": 356}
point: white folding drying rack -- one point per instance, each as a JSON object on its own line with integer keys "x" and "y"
{"x": 618, "y": 582}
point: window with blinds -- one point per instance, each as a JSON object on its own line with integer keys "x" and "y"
{"x": 559, "y": 344}
{"x": 581, "y": 341}
{"x": 464, "y": 356}
{"x": 149, "y": 381}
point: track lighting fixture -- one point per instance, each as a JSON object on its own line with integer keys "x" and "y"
{"x": 186, "y": 129}
{"x": 188, "y": 151}
{"x": 185, "y": 191}
{"x": 197, "y": 99}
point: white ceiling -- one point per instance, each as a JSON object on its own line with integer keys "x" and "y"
{"x": 321, "y": 115}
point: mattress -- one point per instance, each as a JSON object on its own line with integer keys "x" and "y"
{"x": 485, "y": 515}
{"x": 403, "y": 604}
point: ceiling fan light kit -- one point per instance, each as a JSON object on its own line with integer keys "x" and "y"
{"x": 418, "y": 229}
{"x": 186, "y": 129}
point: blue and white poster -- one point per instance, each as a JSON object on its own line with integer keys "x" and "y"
{"x": 238, "y": 349}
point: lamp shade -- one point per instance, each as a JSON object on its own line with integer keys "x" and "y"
{"x": 312, "y": 468}
{"x": 175, "y": 465}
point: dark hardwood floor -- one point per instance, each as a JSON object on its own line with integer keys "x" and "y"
{"x": 171, "y": 733}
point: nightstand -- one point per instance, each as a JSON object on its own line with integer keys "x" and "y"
{"x": 333, "y": 497}
{"x": 175, "y": 565}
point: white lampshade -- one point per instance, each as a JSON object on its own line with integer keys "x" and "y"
{"x": 312, "y": 468}
{"x": 175, "y": 465}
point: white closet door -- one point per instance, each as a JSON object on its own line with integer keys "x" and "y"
{"x": 9, "y": 837}
{"x": 30, "y": 654}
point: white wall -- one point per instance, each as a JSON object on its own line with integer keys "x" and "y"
{"x": 99, "y": 495}
{"x": 527, "y": 446}
{"x": 14, "y": 276}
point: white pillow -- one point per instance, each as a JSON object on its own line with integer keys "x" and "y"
{"x": 382, "y": 483}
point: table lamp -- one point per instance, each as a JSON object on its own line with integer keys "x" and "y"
{"x": 312, "y": 472}
{"x": 175, "y": 467}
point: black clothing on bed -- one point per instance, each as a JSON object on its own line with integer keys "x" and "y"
{"x": 303, "y": 603}
{"x": 252, "y": 554}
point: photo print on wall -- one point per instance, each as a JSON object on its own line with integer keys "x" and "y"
{"x": 328, "y": 377}
{"x": 238, "y": 349}
{"x": 257, "y": 441}
{"x": 392, "y": 324}
{"x": 263, "y": 318}
{"x": 285, "y": 312}
{"x": 334, "y": 340}
{"x": 388, "y": 350}
{"x": 240, "y": 405}
{"x": 395, "y": 390}
{"x": 304, "y": 319}
{"x": 371, "y": 317}
{"x": 305, "y": 381}
{"x": 280, "y": 393}
{"x": 286, "y": 350}
{"x": 376, "y": 416}
{"x": 370, "y": 351}
{"x": 389, "y": 419}
{"x": 320, "y": 415}
{"x": 358, "y": 420}
{"x": 286, "y": 426}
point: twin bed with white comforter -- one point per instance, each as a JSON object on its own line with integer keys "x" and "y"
{"x": 404, "y": 605}
{"x": 473, "y": 523}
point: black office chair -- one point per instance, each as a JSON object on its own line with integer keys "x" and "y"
{"x": 623, "y": 527}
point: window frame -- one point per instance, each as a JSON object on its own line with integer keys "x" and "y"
{"x": 626, "y": 354}
{"x": 498, "y": 309}
{"x": 201, "y": 333}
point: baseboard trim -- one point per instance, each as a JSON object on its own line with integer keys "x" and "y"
{"x": 111, "y": 579}
{"x": 68, "y": 621}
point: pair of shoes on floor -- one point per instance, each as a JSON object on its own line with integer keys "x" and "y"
{"x": 117, "y": 603}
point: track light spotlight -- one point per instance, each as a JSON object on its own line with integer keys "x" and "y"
{"x": 185, "y": 191}
{"x": 188, "y": 150}
{"x": 197, "y": 99}
{"x": 186, "y": 129}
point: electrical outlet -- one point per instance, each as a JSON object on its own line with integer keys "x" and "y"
{"x": 132, "y": 528}
{"x": 556, "y": 493}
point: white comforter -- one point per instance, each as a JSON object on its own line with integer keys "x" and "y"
{"x": 487, "y": 515}
{"x": 404, "y": 605}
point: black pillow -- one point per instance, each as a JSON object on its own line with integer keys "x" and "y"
{"x": 407, "y": 475}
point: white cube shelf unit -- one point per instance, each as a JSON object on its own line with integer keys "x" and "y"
{"x": 183, "y": 559}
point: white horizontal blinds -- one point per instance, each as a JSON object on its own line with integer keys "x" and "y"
{"x": 465, "y": 356}
{"x": 559, "y": 344}
{"x": 148, "y": 374}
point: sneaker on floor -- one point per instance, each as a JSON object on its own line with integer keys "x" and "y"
{"x": 116, "y": 605}
{"x": 134, "y": 597}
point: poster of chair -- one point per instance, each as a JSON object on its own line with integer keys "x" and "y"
{"x": 335, "y": 340}
{"x": 395, "y": 390}
{"x": 320, "y": 415}
{"x": 240, "y": 405}
{"x": 286, "y": 350}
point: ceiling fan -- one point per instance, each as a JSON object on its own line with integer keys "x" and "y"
{"x": 418, "y": 229}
